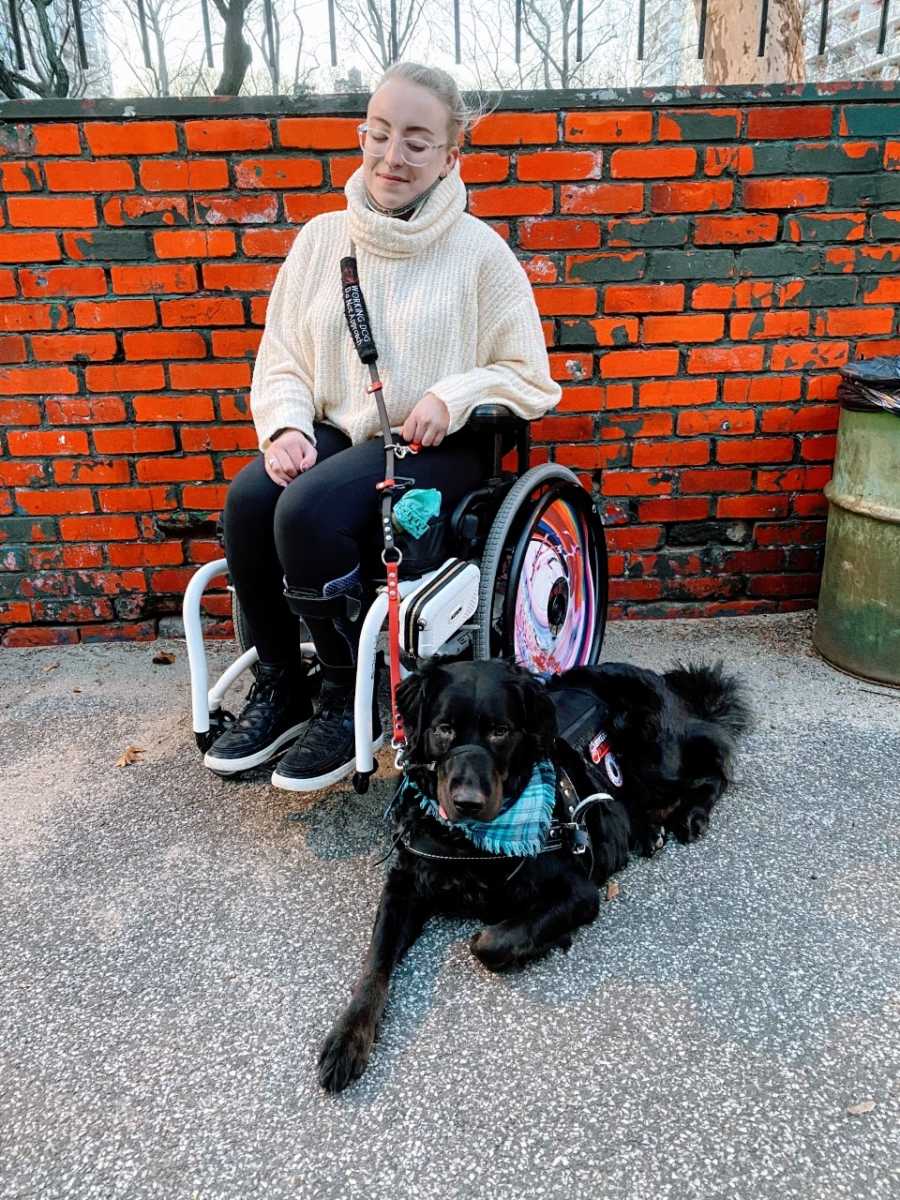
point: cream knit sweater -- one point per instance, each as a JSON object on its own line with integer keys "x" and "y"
{"x": 452, "y": 313}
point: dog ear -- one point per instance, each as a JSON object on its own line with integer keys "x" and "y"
{"x": 540, "y": 713}
{"x": 413, "y": 700}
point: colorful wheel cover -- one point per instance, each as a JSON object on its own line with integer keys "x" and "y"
{"x": 555, "y": 611}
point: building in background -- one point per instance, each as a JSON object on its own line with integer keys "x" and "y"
{"x": 851, "y": 52}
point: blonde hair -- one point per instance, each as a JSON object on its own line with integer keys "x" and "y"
{"x": 460, "y": 115}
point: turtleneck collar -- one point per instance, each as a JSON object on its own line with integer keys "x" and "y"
{"x": 393, "y": 238}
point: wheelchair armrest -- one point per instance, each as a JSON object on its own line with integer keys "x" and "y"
{"x": 488, "y": 417}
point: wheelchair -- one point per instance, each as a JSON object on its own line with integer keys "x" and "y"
{"x": 522, "y": 574}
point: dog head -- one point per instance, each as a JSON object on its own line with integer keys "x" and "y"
{"x": 474, "y": 733}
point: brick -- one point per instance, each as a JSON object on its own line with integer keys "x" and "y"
{"x": 765, "y": 389}
{"x": 741, "y": 295}
{"x": 47, "y": 442}
{"x": 173, "y": 408}
{"x": 826, "y": 158}
{"x": 608, "y": 127}
{"x": 196, "y": 243}
{"x": 242, "y": 133}
{"x": 671, "y": 454}
{"x": 601, "y": 331}
{"x": 760, "y": 325}
{"x": 542, "y": 165}
{"x": 134, "y": 441}
{"x": 755, "y": 450}
{"x": 191, "y": 375}
{"x": 736, "y": 231}
{"x": 184, "y": 175}
{"x": 62, "y": 281}
{"x": 70, "y": 347}
{"x": 7, "y": 283}
{"x": 267, "y": 243}
{"x": 86, "y": 176}
{"x": 146, "y": 210}
{"x": 558, "y": 429}
{"x": 340, "y": 169}
{"x": 698, "y": 124}
{"x": 648, "y": 231}
{"x": 234, "y": 437}
{"x": 475, "y": 168}
{"x": 878, "y": 291}
{"x": 278, "y": 173}
{"x": 552, "y": 234}
{"x": 540, "y": 269}
{"x": 15, "y": 612}
{"x": 779, "y": 260}
{"x": 30, "y": 381}
{"x": 750, "y": 507}
{"x": 644, "y": 298}
{"x": 698, "y": 196}
{"x": 814, "y": 293}
{"x": 653, "y": 163}
{"x": 18, "y": 316}
{"x": 52, "y": 212}
{"x": 115, "y": 314}
{"x": 131, "y": 137}
{"x": 641, "y": 537}
{"x": 850, "y": 191}
{"x": 826, "y": 227}
{"x": 84, "y": 410}
{"x": 136, "y": 281}
{"x": 591, "y": 457}
{"x": 797, "y": 121}
{"x": 810, "y": 417}
{"x": 716, "y": 421}
{"x": 601, "y": 268}
{"x": 784, "y": 585}
{"x": 725, "y": 358}
{"x": 669, "y": 508}
{"x": 809, "y": 506}
{"x": 137, "y": 499}
{"x": 683, "y": 329}
{"x": 90, "y": 471}
{"x": 514, "y": 129}
{"x": 125, "y": 377}
{"x": 786, "y": 193}
{"x": 53, "y": 503}
{"x": 728, "y": 160}
{"x": 863, "y": 259}
{"x": 228, "y": 343}
{"x": 793, "y": 479}
{"x": 637, "y": 483}
{"x": 677, "y": 392}
{"x": 163, "y": 344}
{"x": 638, "y": 425}
{"x": 854, "y": 322}
{"x": 103, "y": 245}
{"x": 601, "y": 197}
{"x": 98, "y": 528}
{"x": 716, "y": 480}
{"x": 802, "y": 356}
{"x": 41, "y": 637}
{"x": 29, "y": 247}
{"x": 318, "y": 133}
{"x": 511, "y": 201}
{"x": 210, "y": 498}
{"x": 243, "y": 210}
{"x": 18, "y": 412}
{"x": 239, "y": 277}
{"x": 27, "y": 529}
{"x": 554, "y": 301}
{"x": 822, "y": 387}
{"x": 818, "y": 449}
{"x": 55, "y": 139}
{"x": 299, "y": 208}
{"x": 145, "y": 554}
{"x": 12, "y": 349}
{"x": 691, "y": 264}
{"x": 20, "y": 177}
{"x": 625, "y": 364}
{"x": 202, "y": 311}
{"x": 870, "y": 120}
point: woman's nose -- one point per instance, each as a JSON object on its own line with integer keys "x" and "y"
{"x": 393, "y": 154}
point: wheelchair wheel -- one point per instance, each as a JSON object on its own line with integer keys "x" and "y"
{"x": 543, "y": 592}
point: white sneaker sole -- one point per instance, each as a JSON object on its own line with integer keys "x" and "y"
{"x": 233, "y": 766}
{"x": 286, "y": 784}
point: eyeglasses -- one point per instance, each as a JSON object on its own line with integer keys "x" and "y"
{"x": 414, "y": 151}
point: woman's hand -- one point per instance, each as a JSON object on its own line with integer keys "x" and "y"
{"x": 289, "y": 454}
{"x": 428, "y": 422}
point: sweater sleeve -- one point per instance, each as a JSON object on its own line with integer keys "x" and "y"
{"x": 513, "y": 368}
{"x": 281, "y": 392}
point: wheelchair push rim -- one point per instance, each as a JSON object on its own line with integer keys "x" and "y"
{"x": 555, "y": 596}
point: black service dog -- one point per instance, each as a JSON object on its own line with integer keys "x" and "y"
{"x": 475, "y": 732}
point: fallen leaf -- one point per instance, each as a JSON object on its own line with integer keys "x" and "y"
{"x": 612, "y": 890}
{"x": 163, "y": 656}
{"x": 76, "y": 689}
{"x": 50, "y": 667}
{"x": 860, "y": 1109}
{"x": 131, "y": 754}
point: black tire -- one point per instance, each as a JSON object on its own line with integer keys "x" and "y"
{"x": 545, "y": 489}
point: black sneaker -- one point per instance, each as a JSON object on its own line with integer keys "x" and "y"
{"x": 273, "y": 715}
{"x": 326, "y": 750}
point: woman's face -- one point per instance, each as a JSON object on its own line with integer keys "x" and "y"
{"x": 403, "y": 109}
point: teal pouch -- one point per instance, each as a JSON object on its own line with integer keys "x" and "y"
{"x": 416, "y": 509}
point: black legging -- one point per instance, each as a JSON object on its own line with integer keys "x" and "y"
{"x": 325, "y": 521}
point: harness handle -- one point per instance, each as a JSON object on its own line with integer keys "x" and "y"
{"x": 357, "y": 314}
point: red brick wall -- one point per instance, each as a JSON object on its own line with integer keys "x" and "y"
{"x": 703, "y": 272}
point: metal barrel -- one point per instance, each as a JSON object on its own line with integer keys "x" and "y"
{"x": 858, "y": 621}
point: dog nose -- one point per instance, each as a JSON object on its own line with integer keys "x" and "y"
{"x": 467, "y": 808}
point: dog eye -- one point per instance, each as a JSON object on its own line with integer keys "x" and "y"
{"x": 442, "y": 729}
{"x": 499, "y": 731}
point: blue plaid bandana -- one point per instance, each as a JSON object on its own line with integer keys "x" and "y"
{"x": 519, "y": 829}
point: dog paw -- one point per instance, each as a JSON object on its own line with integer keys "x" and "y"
{"x": 692, "y": 826}
{"x": 653, "y": 841}
{"x": 345, "y": 1054}
{"x": 495, "y": 949}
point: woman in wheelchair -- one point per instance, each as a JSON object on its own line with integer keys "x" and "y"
{"x": 456, "y": 325}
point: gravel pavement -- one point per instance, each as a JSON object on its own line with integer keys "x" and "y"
{"x": 174, "y": 947}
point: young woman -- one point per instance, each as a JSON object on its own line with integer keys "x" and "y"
{"x": 456, "y": 325}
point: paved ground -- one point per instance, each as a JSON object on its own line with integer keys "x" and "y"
{"x": 174, "y": 948}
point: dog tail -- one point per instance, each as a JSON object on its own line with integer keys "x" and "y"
{"x": 712, "y": 695}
